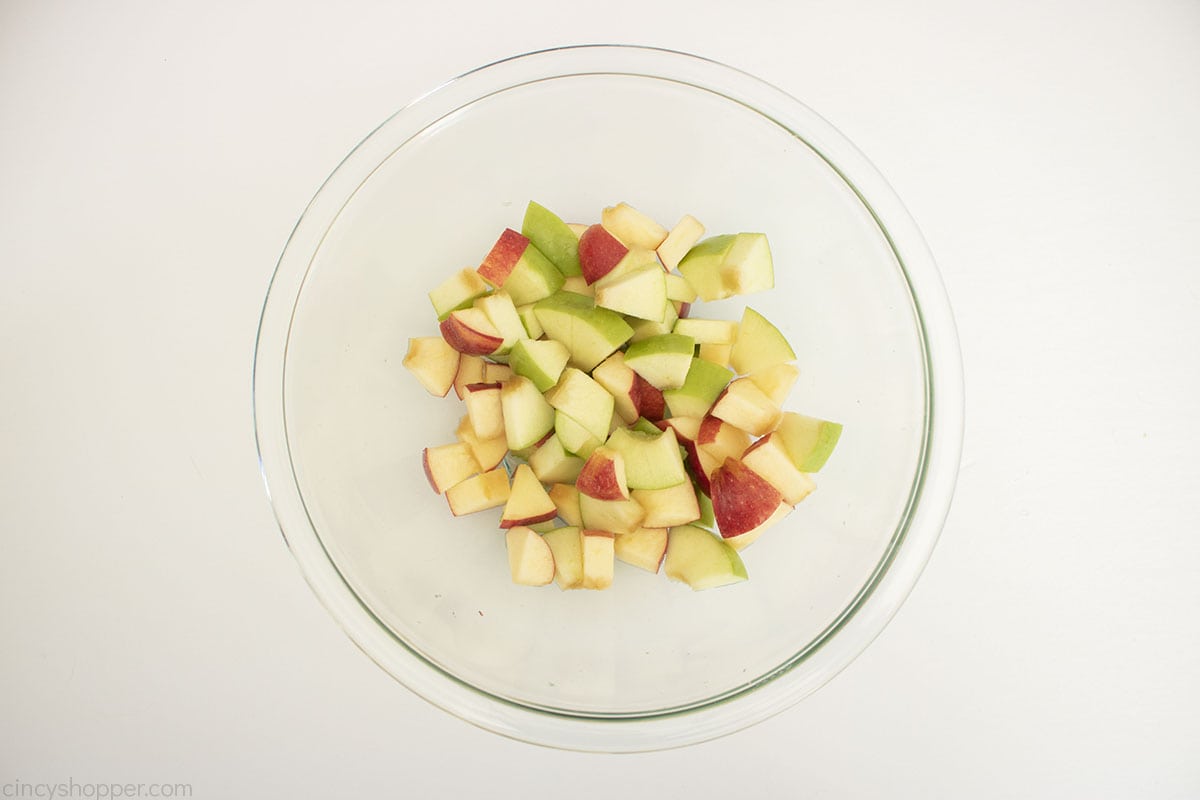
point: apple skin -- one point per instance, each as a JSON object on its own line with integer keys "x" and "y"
{"x": 599, "y": 252}
{"x": 742, "y": 499}
{"x": 648, "y": 399}
{"x": 603, "y": 476}
{"x": 503, "y": 257}
{"x": 459, "y": 333}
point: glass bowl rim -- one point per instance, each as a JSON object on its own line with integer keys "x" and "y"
{"x": 894, "y": 577}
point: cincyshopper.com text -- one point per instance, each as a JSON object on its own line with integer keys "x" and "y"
{"x": 106, "y": 790}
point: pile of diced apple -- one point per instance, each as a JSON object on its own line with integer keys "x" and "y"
{"x": 594, "y": 399}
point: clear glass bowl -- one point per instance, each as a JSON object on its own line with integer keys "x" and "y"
{"x": 648, "y": 664}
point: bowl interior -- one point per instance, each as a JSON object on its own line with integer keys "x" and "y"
{"x": 356, "y": 421}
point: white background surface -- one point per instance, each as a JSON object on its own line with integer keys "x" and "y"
{"x": 153, "y": 158}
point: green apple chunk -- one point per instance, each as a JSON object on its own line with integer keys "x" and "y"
{"x": 758, "y": 345}
{"x": 458, "y": 291}
{"x": 664, "y": 360}
{"x": 704, "y": 384}
{"x": 590, "y": 334}
{"x": 527, "y": 415}
{"x": 574, "y": 437}
{"x": 641, "y": 293}
{"x": 583, "y": 400}
{"x": 552, "y": 237}
{"x": 679, "y": 289}
{"x": 701, "y": 560}
{"x": 567, "y": 548}
{"x": 551, "y": 463}
{"x": 540, "y": 360}
{"x": 728, "y": 265}
{"x": 809, "y": 441}
{"x": 652, "y": 460}
{"x": 533, "y": 328}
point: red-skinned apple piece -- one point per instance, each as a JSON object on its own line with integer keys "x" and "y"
{"x": 771, "y": 461}
{"x": 528, "y": 503}
{"x": 603, "y": 475}
{"x": 742, "y": 499}
{"x": 648, "y": 398}
{"x": 469, "y": 331}
{"x": 448, "y": 465}
{"x": 599, "y": 252}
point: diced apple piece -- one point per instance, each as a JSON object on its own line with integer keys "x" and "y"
{"x": 678, "y": 289}
{"x": 433, "y": 362}
{"x": 617, "y": 516}
{"x": 728, "y": 265}
{"x": 448, "y": 465}
{"x": 707, "y": 331}
{"x": 485, "y": 410}
{"x": 644, "y": 329}
{"x": 552, "y": 464}
{"x": 666, "y": 508}
{"x": 632, "y": 227}
{"x": 496, "y": 373}
{"x": 716, "y": 353}
{"x": 567, "y": 546}
{"x": 470, "y": 370}
{"x": 651, "y": 461}
{"x": 599, "y": 252}
{"x": 743, "y": 404}
{"x": 722, "y": 439}
{"x": 528, "y": 503}
{"x": 479, "y": 493}
{"x": 704, "y": 383}
{"x": 552, "y": 237}
{"x": 682, "y": 238}
{"x": 527, "y": 417}
{"x": 457, "y": 291}
{"x": 530, "y": 559}
{"x": 707, "y": 518}
{"x": 640, "y": 293}
{"x": 759, "y": 345}
{"x": 589, "y": 333}
{"x": 742, "y": 499}
{"x": 469, "y": 331}
{"x": 519, "y": 268}
{"x": 566, "y": 500}
{"x": 502, "y": 313}
{"x": 701, "y": 560}
{"x": 809, "y": 441}
{"x": 664, "y": 361}
{"x": 597, "y": 546}
{"x": 603, "y": 475}
{"x": 583, "y": 400}
{"x": 770, "y": 460}
{"x": 533, "y": 328}
{"x": 574, "y": 437}
{"x": 579, "y": 285}
{"x": 541, "y": 361}
{"x": 488, "y": 452}
{"x": 645, "y": 548}
{"x": 776, "y": 382}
